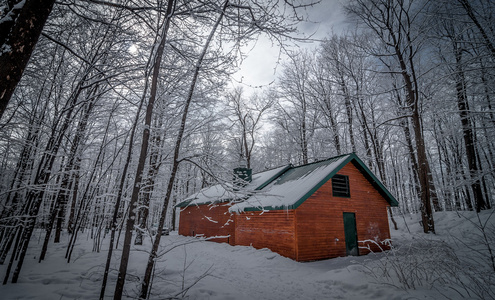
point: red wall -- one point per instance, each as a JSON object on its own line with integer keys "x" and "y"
{"x": 208, "y": 221}
{"x": 320, "y": 222}
{"x": 270, "y": 229}
{"x": 315, "y": 230}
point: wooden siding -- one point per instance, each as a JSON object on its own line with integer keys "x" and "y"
{"x": 273, "y": 230}
{"x": 208, "y": 221}
{"x": 320, "y": 225}
{"x": 314, "y": 231}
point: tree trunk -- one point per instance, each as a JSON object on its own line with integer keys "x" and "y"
{"x": 304, "y": 141}
{"x": 61, "y": 199}
{"x": 327, "y": 108}
{"x": 348, "y": 110}
{"x": 467, "y": 131}
{"x": 422, "y": 159}
{"x": 118, "y": 201}
{"x": 35, "y": 195}
{"x": 26, "y": 162}
{"x": 151, "y": 259}
{"x": 153, "y": 169}
{"x": 119, "y": 288}
{"x": 395, "y": 24}
{"x": 20, "y": 29}
{"x": 469, "y": 11}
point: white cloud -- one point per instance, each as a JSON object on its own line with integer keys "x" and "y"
{"x": 259, "y": 68}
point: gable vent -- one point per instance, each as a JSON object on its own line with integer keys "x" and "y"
{"x": 340, "y": 186}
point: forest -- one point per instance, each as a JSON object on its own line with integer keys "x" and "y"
{"x": 113, "y": 112}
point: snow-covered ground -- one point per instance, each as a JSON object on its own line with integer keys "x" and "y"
{"x": 453, "y": 264}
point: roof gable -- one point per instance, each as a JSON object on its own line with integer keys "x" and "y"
{"x": 375, "y": 182}
{"x": 297, "y": 184}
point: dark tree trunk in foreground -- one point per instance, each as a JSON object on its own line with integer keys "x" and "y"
{"x": 151, "y": 259}
{"x": 20, "y": 29}
{"x": 120, "y": 190}
{"x": 119, "y": 288}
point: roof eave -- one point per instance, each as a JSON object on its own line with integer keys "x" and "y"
{"x": 267, "y": 208}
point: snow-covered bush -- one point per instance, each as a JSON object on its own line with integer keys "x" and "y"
{"x": 461, "y": 263}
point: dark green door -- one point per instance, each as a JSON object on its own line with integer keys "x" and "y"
{"x": 351, "y": 243}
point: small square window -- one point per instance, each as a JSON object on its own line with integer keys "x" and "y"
{"x": 340, "y": 186}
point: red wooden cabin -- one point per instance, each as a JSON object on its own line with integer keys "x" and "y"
{"x": 326, "y": 209}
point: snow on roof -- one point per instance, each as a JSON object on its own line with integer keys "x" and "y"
{"x": 292, "y": 186}
{"x": 215, "y": 193}
{"x": 226, "y": 191}
{"x": 284, "y": 187}
{"x": 260, "y": 179}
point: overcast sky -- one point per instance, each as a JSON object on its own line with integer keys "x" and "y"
{"x": 260, "y": 66}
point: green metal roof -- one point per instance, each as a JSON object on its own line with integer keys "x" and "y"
{"x": 295, "y": 175}
{"x": 286, "y": 187}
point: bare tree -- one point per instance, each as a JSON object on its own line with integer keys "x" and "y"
{"x": 398, "y": 25}
{"x": 458, "y": 46}
{"x": 157, "y": 59}
{"x": 294, "y": 115}
{"x": 151, "y": 260}
{"x": 338, "y": 61}
{"x": 323, "y": 99}
{"x": 474, "y": 15}
{"x": 247, "y": 116}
